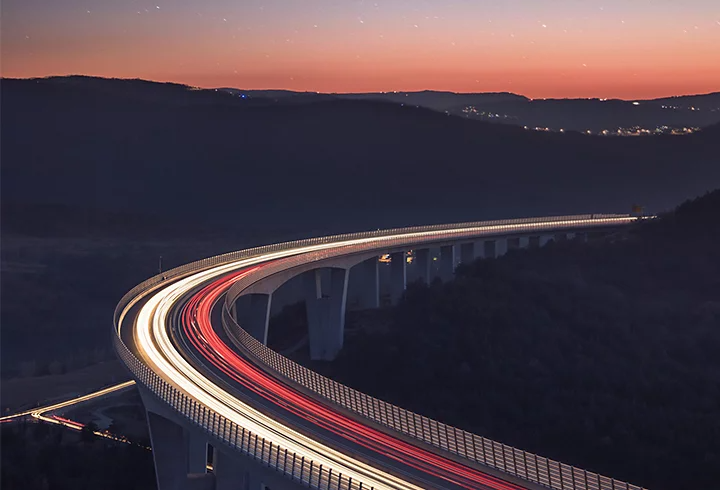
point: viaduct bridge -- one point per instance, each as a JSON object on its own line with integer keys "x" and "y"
{"x": 195, "y": 340}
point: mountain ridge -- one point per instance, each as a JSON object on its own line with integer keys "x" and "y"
{"x": 203, "y": 159}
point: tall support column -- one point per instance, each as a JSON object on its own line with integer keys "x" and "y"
{"x": 512, "y": 243}
{"x": 169, "y": 452}
{"x": 467, "y": 253}
{"x": 489, "y": 248}
{"x": 230, "y": 473}
{"x": 423, "y": 263}
{"x": 398, "y": 275}
{"x": 447, "y": 262}
{"x": 545, "y": 239}
{"x": 534, "y": 242}
{"x": 524, "y": 242}
{"x": 197, "y": 451}
{"x": 252, "y": 312}
{"x": 370, "y": 279}
{"x": 501, "y": 247}
{"x": 326, "y": 312}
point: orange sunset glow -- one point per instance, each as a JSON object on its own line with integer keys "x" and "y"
{"x": 539, "y": 49}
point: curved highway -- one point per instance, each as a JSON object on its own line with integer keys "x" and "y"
{"x": 180, "y": 342}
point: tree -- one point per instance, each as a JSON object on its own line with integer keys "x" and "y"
{"x": 87, "y": 434}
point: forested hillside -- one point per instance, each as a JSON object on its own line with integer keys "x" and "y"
{"x": 603, "y": 355}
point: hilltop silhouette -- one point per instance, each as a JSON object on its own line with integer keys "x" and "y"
{"x": 140, "y": 153}
{"x": 567, "y": 114}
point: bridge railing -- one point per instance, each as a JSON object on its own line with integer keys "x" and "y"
{"x": 478, "y": 449}
{"x": 234, "y": 436}
{"x": 513, "y": 461}
{"x": 510, "y": 460}
{"x": 421, "y": 235}
{"x": 238, "y": 255}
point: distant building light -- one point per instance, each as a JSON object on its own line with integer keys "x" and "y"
{"x": 636, "y": 103}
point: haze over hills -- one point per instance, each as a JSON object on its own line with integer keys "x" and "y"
{"x": 595, "y": 115}
{"x": 146, "y": 153}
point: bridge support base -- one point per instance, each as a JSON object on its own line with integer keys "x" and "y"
{"x": 326, "y": 311}
{"x": 169, "y": 452}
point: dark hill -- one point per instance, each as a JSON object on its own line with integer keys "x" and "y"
{"x": 602, "y": 355}
{"x": 205, "y": 157}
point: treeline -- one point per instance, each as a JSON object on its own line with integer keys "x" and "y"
{"x": 603, "y": 355}
{"x": 48, "y": 457}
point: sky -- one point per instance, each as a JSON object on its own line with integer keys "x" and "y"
{"x": 539, "y": 48}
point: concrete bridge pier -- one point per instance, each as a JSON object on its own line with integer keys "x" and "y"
{"x": 467, "y": 253}
{"x": 197, "y": 452}
{"x": 169, "y": 452}
{"x": 252, "y": 312}
{"x": 369, "y": 296}
{"x": 398, "y": 275}
{"x": 489, "y": 249}
{"x": 423, "y": 263}
{"x": 501, "y": 247}
{"x": 234, "y": 472}
{"x": 524, "y": 242}
{"x": 545, "y": 239}
{"x": 534, "y": 242}
{"x": 325, "y": 300}
{"x": 229, "y": 472}
{"x": 447, "y": 262}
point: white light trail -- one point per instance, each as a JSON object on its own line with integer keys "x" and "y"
{"x": 154, "y": 344}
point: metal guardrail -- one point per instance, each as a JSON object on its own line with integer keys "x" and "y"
{"x": 287, "y": 463}
{"x": 510, "y": 460}
{"x": 233, "y": 256}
